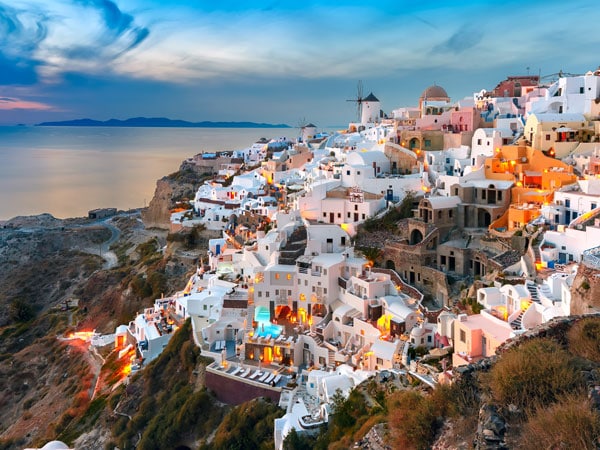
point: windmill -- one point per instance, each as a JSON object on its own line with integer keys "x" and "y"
{"x": 301, "y": 126}
{"x": 358, "y": 100}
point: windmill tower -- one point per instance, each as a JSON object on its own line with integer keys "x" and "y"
{"x": 371, "y": 108}
{"x": 358, "y": 100}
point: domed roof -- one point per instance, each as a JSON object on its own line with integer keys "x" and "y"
{"x": 55, "y": 445}
{"x": 434, "y": 93}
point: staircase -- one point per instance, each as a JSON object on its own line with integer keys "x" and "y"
{"x": 533, "y": 291}
{"x": 331, "y": 360}
{"x": 537, "y": 254}
{"x": 517, "y": 323}
{"x": 250, "y": 317}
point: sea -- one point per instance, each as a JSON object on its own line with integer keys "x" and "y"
{"x": 67, "y": 171}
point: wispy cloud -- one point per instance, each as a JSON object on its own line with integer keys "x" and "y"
{"x": 10, "y": 103}
{"x": 465, "y": 38}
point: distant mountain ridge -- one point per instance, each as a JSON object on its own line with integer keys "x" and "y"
{"x": 157, "y": 122}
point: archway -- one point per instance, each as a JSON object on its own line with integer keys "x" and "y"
{"x": 484, "y": 219}
{"x": 414, "y": 144}
{"x": 415, "y": 236}
{"x": 389, "y": 264}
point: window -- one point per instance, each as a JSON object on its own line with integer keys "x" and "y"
{"x": 276, "y": 291}
{"x": 439, "y": 214}
{"x": 455, "y": 191}
{"x": 547, "y": 137}
{"x": 259, "y": 294}
{"x": 347, "y": 172}
{"x": 324, "y": 271}
{"x": 427, "y": 143}
{"x": 343, "y": 240}
{"x": 339, "y": 215}
{"x": 348, "y": 215}
{"x": 358, "y": 172}
{"x": 429, "y": 338}
{"x": 593, "y": 206}
{"x": 277, "y": 276}
{"x": 581, "y": 90}
{"x": 463, "y": 336}
{"x": 355, "y": 207}
{"x": 478, "y": 141}
{"x": 450, "y": 213}
{"x": 324, "y": 214}
{"x": 483, "y": 194}
{"x": 568, "y": 203}
{"x": 499, "y": 195}
{"x": 324, "y": 290}
{"x": 267, "y": 294}
{"x": 289, "y": 276}
{"x": 363, "y": 216}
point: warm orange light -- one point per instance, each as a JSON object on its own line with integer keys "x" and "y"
{"x": 519, "y": 184}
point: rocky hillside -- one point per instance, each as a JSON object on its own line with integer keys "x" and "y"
{"x": 585, "y": 291}
{"x": 177, "y": 187}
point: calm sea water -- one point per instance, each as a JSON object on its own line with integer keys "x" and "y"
{"x": 66, "y": 171}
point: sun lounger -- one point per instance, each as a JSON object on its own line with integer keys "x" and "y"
{"x": 245, "y": 373}
{"x": 276, "y": 380}
{"x": 236, "y": 371}
{"x": 270, "y": 378}
{"x": 255, "y": 374}
{"x": 264, "y": 377}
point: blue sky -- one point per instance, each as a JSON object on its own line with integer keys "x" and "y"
{"x": 272, "y": 61}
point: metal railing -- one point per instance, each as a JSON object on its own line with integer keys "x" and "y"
{"x": 591, "y": 257}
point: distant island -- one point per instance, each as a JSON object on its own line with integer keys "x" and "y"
{"x": 157, "y": 122}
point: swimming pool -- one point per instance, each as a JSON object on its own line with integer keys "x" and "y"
{"x": 265, "y": 327}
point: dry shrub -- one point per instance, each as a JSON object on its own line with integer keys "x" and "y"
{"x": 584, "y": 338}
{"x": 412, "y": 420}
{"x": 571, "y": 423}
{"x": 534, "y": 374}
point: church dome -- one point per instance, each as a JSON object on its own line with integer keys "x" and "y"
{"x": 435, "y": 93}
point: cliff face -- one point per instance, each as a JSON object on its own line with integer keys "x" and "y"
{"x": 585, "y": 291}
{"x": 168, "y": 192}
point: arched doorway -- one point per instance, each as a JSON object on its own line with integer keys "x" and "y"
{"x": 415, "y": 236}
{"x": 282, "y": 312}
{"x": 414, "y": 144}
{"x": 484, "y": 219}
{"x": 389, "y": 264}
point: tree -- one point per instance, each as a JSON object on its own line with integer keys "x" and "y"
{"x": 21, "y": 311}
{"x": 371, "y": 253}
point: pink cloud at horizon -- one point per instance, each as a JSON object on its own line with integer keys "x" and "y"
{"x": 9, "y": 103}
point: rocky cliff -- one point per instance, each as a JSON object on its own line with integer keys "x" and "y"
{"x": 585, "y": 292}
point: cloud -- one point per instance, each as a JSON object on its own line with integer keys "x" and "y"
{"x": 463, "y": 39}
{"x": 10, "y": 103}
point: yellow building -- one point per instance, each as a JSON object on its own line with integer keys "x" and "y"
{"x": 536, "y": 177}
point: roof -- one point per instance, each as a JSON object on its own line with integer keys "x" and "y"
{"x": 370, "y": 98}
{"x": 384, "y": 350}
{"x": 443, "y": 202}
{"x": 555, "y": 117}
{"x": 487, "y": 182}
{"x": 396, "y": 306}
{"x": 500, "y": 330}
{"x": 433, "y": 92}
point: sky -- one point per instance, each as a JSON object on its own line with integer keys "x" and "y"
{"x": 273, "y": 61}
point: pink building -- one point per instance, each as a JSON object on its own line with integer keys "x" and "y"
{"x": 477, "y": 336}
